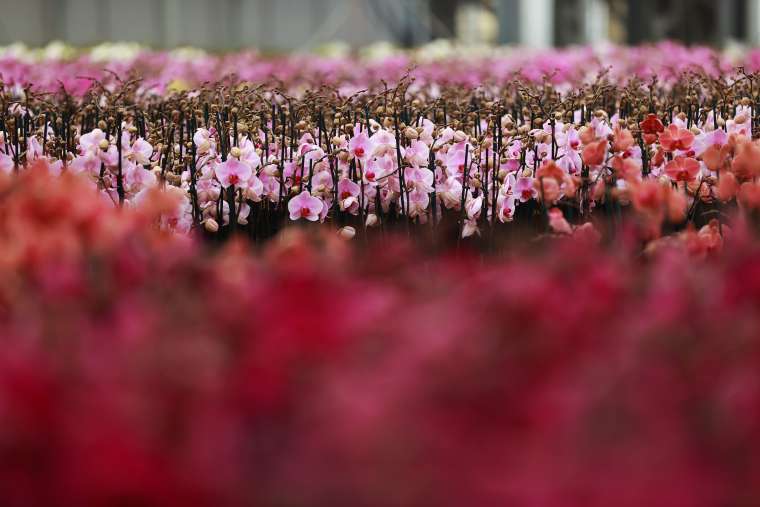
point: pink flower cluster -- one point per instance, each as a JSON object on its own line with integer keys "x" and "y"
{"x": 141, "y": 368}
{"x": 458, "y": 66}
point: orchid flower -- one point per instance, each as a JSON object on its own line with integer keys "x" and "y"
{"x": 233, "y": 172}
{"x": 304, "y": 205}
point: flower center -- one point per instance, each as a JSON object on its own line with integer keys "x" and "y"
{"x": 234, "y": 179}
{"x": 359, "y": 152}
{"x": 305, "y": 212}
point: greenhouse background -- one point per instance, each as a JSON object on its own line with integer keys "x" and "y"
{"x": 287, "y": 25}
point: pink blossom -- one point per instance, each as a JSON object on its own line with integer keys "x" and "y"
{"x": 304, "y": 205}
{"x": 348, "y": 195}
{"x": 525, "y": 189}
{"x": 91, "y": 140}
{"x": 142, "y": 151}
{"x": 233, "y": 172}
{"x": 6, "y": 163}
{"x": 418, "y": 203}
{"x": 360, "y": 146}
{"x": 505, "y": 206}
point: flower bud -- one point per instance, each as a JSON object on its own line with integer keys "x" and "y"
{"x": 459, "y": 136}
{"x": 211, "y": 225}
{"x": 411, "y": 133}
{"x": 235, "y": 152}
{"x": 347, "y": 232}
{"x": 103, "y": 145}
{"x": 371, "y": 220}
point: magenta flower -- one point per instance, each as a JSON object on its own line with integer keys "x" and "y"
{"x": 304, "y": 205}
{"x": 233, "y": 172}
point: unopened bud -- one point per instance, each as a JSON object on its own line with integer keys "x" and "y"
{"x": 371, "y": 220}
{"x": 459, "y": 136}
{"x": 235, "y": 152}
{"x": 347, "y": 232}
{"x": 211, "y": 225}
{"x": 410, "y": 133}
{"x": 103, "y": 145}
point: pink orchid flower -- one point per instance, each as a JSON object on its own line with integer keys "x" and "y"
{"x": 360, "y": 146}
{"x": 417, "y": 153}
{"x": 233, "y": 172}
{"x": 418, "y": 203}
{"x": 91, "y": 140}
{"x": 88, "y": 163}
{"x": 348, "y": 195}
{"x": 422, "y": 178}
{"x": 6, "y": 163}
{"x": 255, "y": 188}
{"x": 505, "y": 206}
{"x": 455, "y": 161}
{"x": 450, "y": 192}
{"x": 304, "y": 205}
{"x": 142, "y": 151}
{"x": 525, "y": 189}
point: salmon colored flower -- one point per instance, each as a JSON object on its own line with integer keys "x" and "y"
{"x": 674, "y": 138}
{"x": 623, "y": 139}
{"x": 594, "y": 153}
{"x": 682, "y": 169}
{"x": 746, "y": 163}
